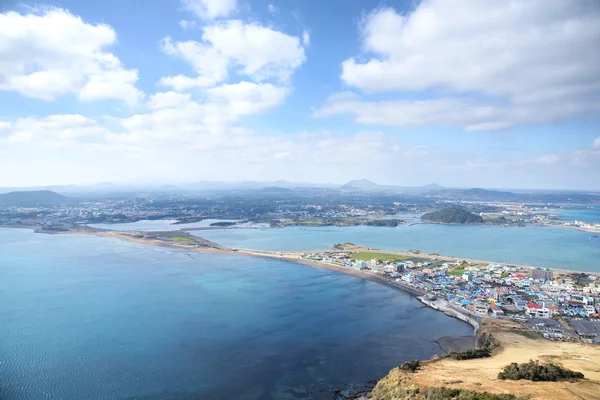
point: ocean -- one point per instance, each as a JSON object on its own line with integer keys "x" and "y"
{"x": 85, "y": 317}
{"x": 532, "y": 245}
{"x": 590, "y": 214}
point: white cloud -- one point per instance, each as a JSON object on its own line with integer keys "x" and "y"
{"x": 273, "y": 9}
{"x": 596, "y": 143}
{"x": 184, "y": 142}
{"x": 246, "y": 98}
{"x": 468, "y": 113}
{"x": 305, "y": 39}
{"x": 207, "y": 61}
{"x": 549, "y": 159}
{"x": 210, "y": 9}
{"x": 499, "y": 56}
{"x": 54, "y": 130}
{"x": 162, "y": 100}
{"x": 49, "y": 53}
{"x": 249, "y": 49}
{"x": 187, "y": 24}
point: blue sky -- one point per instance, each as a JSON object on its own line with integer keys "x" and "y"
{"x": 461, "y": 93}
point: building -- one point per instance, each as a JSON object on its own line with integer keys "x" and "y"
{"x": 540, "y": 273}
{"x": 361, "y": 265}
{"x": 496, "y": 311}
{"x": 400, "y": 267}
{"x": 589, "y": 310}
{"x": 580, "y": 300}
{"x": 537, "y": 311}
{"x": 478, "y": 308}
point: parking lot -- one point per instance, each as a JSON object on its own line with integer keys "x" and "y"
{"x": 542, "y": 324}
{"x": 585, "y": 328}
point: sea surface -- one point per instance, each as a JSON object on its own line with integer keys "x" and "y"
{"x": 589, "y": 214}
{"x": 157, "y": 225}
{"x": 532, "y": 245}
{"x": 85, "y": 317}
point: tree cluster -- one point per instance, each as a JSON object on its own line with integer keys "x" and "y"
{"x": 442, "y": 393}
{"x": 469, "y": 354}
{"x": 453, "y": 216}
{"x": 538, "y": 372}
{"x": 410, "y": 366}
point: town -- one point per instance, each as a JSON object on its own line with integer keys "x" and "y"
{"x": 280, "y": 207}
{"x": 559, "y": 305}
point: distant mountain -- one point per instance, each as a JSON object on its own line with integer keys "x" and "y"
{"x": 452, "y": 216}
{"x": 32, "y": 198}
{"x": 360, "y": 184}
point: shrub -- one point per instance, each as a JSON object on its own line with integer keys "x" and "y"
{"x": 410, "y": 366}
{"x": 440, "y": 393}
{"x": 469, "y": 354}
{"x": 537, "y": 372}
{"x": 486, "y": 340}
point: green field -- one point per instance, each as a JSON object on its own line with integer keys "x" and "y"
{"x": 183, "y": 239}
{"x": 457, "y": 271}
{"x": 384, "y": 257}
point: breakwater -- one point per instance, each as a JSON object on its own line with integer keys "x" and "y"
{"x": 454, "y": 312}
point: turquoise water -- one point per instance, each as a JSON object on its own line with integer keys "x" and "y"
{"x": 589, "y": 215}
{"x": 157, "y": 225}
{"x": 95, "y": 318}
{"x": 532, "y": 245}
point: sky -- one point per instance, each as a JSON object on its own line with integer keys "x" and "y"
{"x": 469, "y": 93}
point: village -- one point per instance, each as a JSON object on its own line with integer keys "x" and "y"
{"x": 558, "y": 305}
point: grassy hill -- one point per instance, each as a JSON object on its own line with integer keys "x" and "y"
{"x": 453, "y": 216}
{"x": 477, "y": 379}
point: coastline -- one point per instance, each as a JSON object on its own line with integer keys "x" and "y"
{"x": 508, "y": 352}
{"x": 284, "y": 256}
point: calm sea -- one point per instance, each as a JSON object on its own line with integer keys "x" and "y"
{"x": 97, "y": 318}
{"x": 532, "y": 245}
{"x": 590, "y": 214}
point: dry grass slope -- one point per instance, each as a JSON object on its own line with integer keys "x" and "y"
{"x": 481, "y": 375}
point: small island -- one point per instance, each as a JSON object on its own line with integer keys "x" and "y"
{"x": 224, "y": 224}
{"x": 452, "y": 215}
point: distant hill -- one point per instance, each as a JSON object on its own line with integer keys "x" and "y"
{"x": 475, "y": 194}
{"x": 453, "y": 216}
{"x": 276, "y": 190}
{"x": 32, "y": 198}
{"x": 360, "y": 184}
{"x": 485, "y": 194}
{"x": 432, "y": 186}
